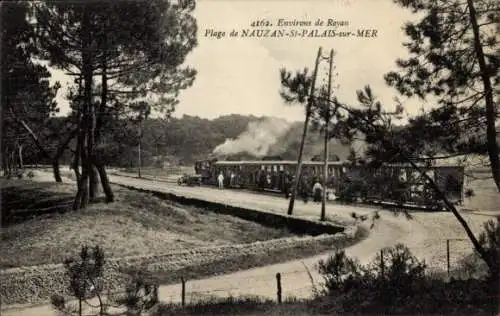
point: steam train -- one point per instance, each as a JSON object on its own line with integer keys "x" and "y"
{"x": 388, "y": 183}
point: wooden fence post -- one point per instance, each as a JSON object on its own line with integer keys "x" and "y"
{"x": 278, "y": 279}
{"x": 183, "y": 293}
{"x": 448, "y": 256}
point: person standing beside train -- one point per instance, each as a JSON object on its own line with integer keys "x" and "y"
{"x": 304, "y": 189}
{"x": 318, "y": 191}
{"x": 231, "y": 179}
{"x": 286, "y": 185}
{"x": 220, "y": 179}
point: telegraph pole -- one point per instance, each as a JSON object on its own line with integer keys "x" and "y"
{"x": 325, "y": 153}
{"x": 304, "y": 133}
{"x": 139, "y": 162}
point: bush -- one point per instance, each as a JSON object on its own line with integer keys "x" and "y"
{"x": 401, "y": 275}
{"x": 490, "y": 240}
{"x": 337, "y": 268}
{"x": 86, "y": 281}
{"x": 395, "y": 282}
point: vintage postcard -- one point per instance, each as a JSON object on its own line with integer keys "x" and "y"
{"x": 250, "y": 157}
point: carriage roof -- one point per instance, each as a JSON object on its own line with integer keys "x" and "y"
{"x": 274, "y": 162}
{"x": 319, "y": 163}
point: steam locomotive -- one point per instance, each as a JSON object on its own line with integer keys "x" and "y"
{"x": 392, "y": 183}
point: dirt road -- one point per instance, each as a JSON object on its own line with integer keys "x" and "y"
{"x": 425, "y": 234}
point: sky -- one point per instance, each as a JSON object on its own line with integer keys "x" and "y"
{"x": 241, "y": 75}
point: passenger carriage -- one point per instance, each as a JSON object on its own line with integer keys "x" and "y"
{"x": 389, "y": 183}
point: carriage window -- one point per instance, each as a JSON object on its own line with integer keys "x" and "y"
{"x": 281, "y": 168}
{"x": 275, "y": 168}
{"x": 262, "y": 167}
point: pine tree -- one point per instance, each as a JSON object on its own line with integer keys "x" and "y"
{"x": 455, "y": 56}
{"x": 132, "y": 49}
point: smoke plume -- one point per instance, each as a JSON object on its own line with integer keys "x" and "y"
{"x": 257, "y": 139}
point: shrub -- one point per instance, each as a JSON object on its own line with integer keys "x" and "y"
{"x": 401, "y": 275}
{"x": 490, "y": 240}
{"x": 472, "y": 267}
{"x": 393, "y": 283}
{"x": 336, "y": 269}
{"x": 141, "y": 293}
{"x": 86, "y": 281}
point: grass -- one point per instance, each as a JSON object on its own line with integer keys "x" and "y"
{"x": 255, "y": 306}
{"x": 243, "y": 306}
{"x": 243, "y": 262}
{"x": 167, "y": 172}
{"x": 44, "y": 230}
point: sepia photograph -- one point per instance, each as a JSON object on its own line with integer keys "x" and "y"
{"x": 250, "y": 157}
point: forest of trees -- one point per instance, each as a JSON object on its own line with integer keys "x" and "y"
{"x": 179, "y": 141}
{"x": 118, "y": 53}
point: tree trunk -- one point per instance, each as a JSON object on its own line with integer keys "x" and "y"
{"x": 81, "y": 197}
{"x": 59, "y": 153}
{"x": 21, "y": 164}
{"x": 9, "y": 165}
{"x": 490, "y": 262}
{"x": 304, "y": 134}
{"x": 35, "y": 139}
{"x": 31, "y": 133}
{"x": 104, "y": 96}
{"x": 89, "y": 114}
{"x": 13, "y": 160}
{"x": 94, "y": 183}
{"x": 492, "y": 145}
{"x": 84, "y": 182}
{"x": 4, "y": 163}
{"x": 83, "y": 201}
{"x": 139, "y": 158}
{"x": 56, "y": 170}
{"x": 76, "y": 165}
{"x": 105, "y": 183}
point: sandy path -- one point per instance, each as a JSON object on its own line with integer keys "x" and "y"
{"x": 425, "y": 235}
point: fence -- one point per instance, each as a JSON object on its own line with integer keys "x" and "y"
{"x": 454, "y": 258}
{"x": 458, "y": 265}
{"x": 275, "y": 286}
{"x": 270, "y": 287}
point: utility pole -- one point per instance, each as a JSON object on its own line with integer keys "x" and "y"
{"x": 304, "y": 133}
{"x": 139, "y": 162}
{"x": 325, "y": 153}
